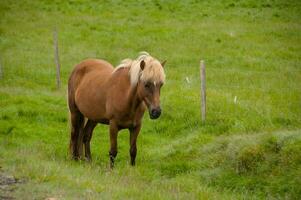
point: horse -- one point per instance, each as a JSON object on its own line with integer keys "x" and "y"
{"x": 118, "y": 97}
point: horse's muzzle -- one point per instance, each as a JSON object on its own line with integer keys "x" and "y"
{"x": 155, "y": 113}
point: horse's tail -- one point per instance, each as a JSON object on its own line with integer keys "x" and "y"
{"x": 76, "y": 122}
{"x": 69, "y": 122}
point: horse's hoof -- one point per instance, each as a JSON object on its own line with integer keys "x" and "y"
{"x": 75, "y": 158}
{"x": 111, "y": 165}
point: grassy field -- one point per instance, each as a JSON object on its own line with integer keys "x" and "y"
{"x": 248, "y": 149}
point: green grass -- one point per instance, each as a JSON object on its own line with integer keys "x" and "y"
{"x": 246, "y": 150}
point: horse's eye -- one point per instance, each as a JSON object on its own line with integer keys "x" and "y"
{"x": 147, "y": 85}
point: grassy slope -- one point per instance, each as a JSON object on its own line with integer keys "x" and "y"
{"x": 252, "y": 51}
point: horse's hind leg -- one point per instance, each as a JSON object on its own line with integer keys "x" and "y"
{"x": 77, "y": 123}
{"x": 90, "y": 125}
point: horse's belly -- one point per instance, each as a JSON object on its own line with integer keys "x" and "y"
{"x": 95, "y": 114}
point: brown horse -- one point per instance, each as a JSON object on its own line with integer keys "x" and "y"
{"x": 117, "y": 97}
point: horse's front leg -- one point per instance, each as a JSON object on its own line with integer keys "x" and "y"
{"x": 113, "y": 140}
{"x": 134, "y": 132}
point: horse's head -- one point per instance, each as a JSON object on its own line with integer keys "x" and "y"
{"x": 151, "y": 80}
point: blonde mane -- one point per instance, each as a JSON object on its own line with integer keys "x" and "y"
{"x": 153, "y": 70}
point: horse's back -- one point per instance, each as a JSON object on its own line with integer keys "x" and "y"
{"x": 88, "y": 69}
{"x": 94, "y": 65}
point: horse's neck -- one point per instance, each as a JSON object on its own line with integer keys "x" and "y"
{"x": 133, "y": 99}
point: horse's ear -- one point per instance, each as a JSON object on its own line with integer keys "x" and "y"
{"x": 142, "y": 64}
{"x": 163, "y": 63}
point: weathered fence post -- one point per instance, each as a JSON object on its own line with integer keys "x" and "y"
{"x": 57, "y": 59}
{"x": 203, "y": 90}
{"x": 1, "y": 72}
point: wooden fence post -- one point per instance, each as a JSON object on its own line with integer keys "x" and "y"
{"x": 203, "y": 89}
{"x": 1, "y": 72}
{"x": 57, "y": 59}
